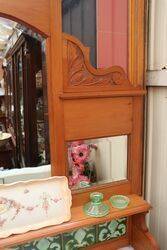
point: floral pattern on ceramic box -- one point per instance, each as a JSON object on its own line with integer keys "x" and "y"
{"x": 33, "y": 204}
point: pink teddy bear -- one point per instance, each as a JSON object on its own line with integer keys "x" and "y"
{"x": 78, "y": 155}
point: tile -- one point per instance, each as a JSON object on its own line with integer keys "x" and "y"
{"x": 80, "y": 238}
{"x": 16, "y": 248}
{"x": 48, "y": 243}
{"x": 112, "y": 229}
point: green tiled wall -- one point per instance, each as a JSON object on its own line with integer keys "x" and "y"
{"x": 80, "y": 238}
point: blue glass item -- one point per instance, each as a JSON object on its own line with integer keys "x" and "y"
{"x": 96, "y": 207}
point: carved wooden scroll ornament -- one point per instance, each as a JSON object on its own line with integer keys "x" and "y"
{"x": 80, "y": 72}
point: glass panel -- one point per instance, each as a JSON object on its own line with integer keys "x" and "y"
{"x": 9, "y": 105}
{"x": 11, "y": 92}
{"x": 112, "y": 33}
{"x": 41, "y": 120}
{"x": 97, "y": 161}
{"x": 100, "y": 25}
{"x": 25, "y": 138}
{"x": 21, "y": 135}
{"x": 79, "y": 20}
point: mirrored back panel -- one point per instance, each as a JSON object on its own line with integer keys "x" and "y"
{"x": 97, "y": 161}
{"x": 24, "y": 124}
{"x": 102, "y": 26}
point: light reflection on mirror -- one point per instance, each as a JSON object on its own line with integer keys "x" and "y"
{"x": 97, "y": 161}
{"x": 24, "y": 128}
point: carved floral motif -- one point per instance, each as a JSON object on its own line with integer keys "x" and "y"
{"x": 79, "y": 72}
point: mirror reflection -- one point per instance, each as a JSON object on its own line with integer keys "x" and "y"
{"x": 97, "y": 161}
{"x": 24, "y": 134}
{"x": 100, "y": 25}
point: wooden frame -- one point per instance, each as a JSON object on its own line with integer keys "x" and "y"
{"x": 47, "y": 24}
{"x": 119, "y": 87}
{"x": 107, "y": 87}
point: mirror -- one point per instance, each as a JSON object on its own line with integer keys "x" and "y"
{"x": 24, "y": 128}
{"x": 97, "y": 161}
{"x": 100, "y": 25}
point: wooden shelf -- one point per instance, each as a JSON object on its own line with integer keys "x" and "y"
{"x": 104, "y": 94}
{"x": 79, "y": 219}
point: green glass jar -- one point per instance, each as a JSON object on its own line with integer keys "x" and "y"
{"x": 96, "y": 207}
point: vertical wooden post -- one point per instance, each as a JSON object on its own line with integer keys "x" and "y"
{"x": 55, "y": 76}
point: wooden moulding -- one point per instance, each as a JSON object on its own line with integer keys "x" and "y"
{"x": 27, "y": 13}
{"x": 137, "y": 41}
{"x": 107, "y": 94}
{"x": 79, "y": 219}
{"x": 136, "y": 146}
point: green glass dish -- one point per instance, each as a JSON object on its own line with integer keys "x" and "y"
{"x": 84, "y": 184}
{"x": 96, "y": 207}
{"x": 119, "y": 201}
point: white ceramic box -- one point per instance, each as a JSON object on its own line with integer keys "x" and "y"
{"x": 33, "y": 204}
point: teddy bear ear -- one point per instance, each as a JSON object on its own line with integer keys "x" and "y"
{"x": 76, "y": 143}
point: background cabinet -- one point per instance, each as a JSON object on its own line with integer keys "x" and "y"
{"x": 27, "y": 116}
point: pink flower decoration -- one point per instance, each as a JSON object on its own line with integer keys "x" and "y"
{"x": 76, "y": 143}
{"x": 80, "y": 167}
{"x": 71, "y": 181}
{"x": 80, "y": 153}
{"x": 74, "y": 181}
{"x": 83, "y": 178}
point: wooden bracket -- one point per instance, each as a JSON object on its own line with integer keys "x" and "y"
{"x": 142, "y": 239}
